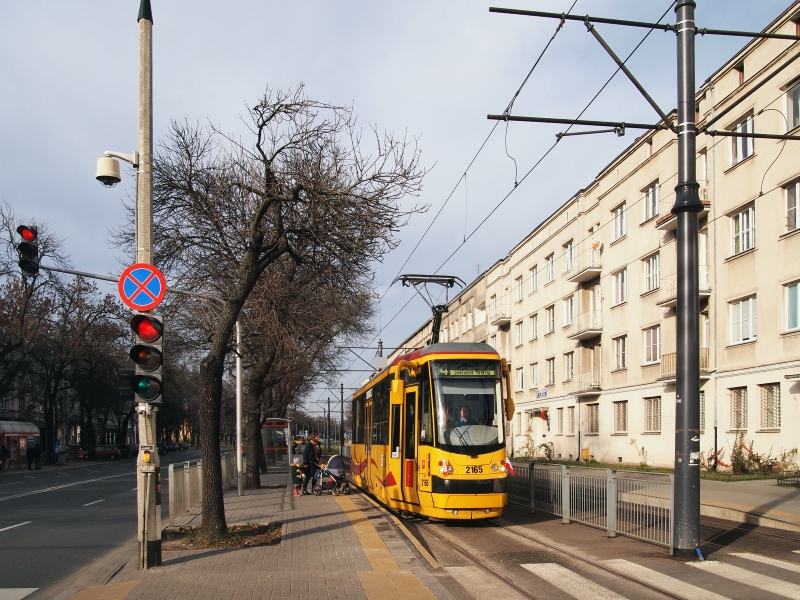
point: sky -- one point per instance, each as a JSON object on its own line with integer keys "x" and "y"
{"x": 432, "y": 69}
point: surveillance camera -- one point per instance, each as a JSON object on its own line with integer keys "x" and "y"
{"x": 108, "y": 172}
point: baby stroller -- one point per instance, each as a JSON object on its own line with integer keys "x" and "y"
{"x": 330, "y": 477}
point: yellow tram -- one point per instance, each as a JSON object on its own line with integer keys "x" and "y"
{"x": 429, "y": 432}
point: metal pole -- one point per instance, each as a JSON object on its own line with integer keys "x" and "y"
{"x": 686, "y": 536}
{"x": 341, "y": 420}
{"x": 239, "y": 474}
{"x": 328, "y": 425}
{"x": 148, "y": 488}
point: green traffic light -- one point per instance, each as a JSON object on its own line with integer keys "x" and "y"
{"x": 147, "y": 388}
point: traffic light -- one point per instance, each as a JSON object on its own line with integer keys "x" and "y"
{"x": 147, "y": 354}
{"x": 28, "y": 250}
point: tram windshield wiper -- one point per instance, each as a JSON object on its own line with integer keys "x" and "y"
{"x": 470, "y": 448}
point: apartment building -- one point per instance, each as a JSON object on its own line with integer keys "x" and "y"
{"x": 583, "y": 308}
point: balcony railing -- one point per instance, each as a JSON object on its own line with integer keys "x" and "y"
{"x": 586, "y": 384}
{"x": 666, "y": 220}
{"x": 585, "y": 326}
{"x": 669, "y": 368}
{"x": 668, "y": 291}
{"x": 585, "y": 268}
{"x": 501, "y": 316}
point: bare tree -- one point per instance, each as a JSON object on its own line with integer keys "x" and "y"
{"x": 303, "y": 187}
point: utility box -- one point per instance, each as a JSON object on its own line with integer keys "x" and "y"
{"x": 585, "y": 454}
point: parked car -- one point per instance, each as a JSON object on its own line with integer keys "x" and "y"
{"x": 173, "y": 446}
{"x": 133, "y": 449}
{"x": 163, "y": 448}
{"x": 110, "y": 452}
{"x": 183, "y": 445}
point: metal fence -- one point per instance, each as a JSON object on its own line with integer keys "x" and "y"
{"x": 631, "y": 503}
{"x": 186, "y": 483}
{"x": 790, "y": 479}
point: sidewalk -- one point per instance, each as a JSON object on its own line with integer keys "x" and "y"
{"x": 330, "y": 548}
{"x": 759, "y": 502}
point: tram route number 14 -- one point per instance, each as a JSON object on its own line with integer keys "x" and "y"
{"x": 474, "y": 469}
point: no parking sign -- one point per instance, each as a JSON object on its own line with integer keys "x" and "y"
{"x": 142, "y": 287}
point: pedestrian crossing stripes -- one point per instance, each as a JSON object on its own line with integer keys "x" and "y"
{"x": 481, "y": 587}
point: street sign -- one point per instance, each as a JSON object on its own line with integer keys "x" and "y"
{"x": 541, "y": 394}
{"x": 142, "y": 287}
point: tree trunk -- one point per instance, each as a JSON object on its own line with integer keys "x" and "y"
{"x": 211, "y": 370}
{"x": 252, "y": 479}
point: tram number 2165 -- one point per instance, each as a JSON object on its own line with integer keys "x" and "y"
{"x": 474, "y": 469}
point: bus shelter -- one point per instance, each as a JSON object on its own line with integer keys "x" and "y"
{"x": 277, "y": 436}
{"x": 16, "y": 436}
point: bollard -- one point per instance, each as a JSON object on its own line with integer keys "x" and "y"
{"x": 611, "y": 503}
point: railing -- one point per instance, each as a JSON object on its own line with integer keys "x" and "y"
{"x": 585, "y": 323}
{"x": 585, "y": 267}
{"x": 668, "y": 287}
{"x": 500, "y": 315}
{"x": 631, "y": 503}
{"x": 789, "y": 479}
{"x": 186, "y": 483}
{"x": 669, "y": 368}
{"x": 586, "y": 383}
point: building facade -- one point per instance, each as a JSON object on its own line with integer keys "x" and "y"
{"x": 583, "y": 308}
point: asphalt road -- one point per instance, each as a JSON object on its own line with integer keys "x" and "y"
{"x": 55, "y": 522}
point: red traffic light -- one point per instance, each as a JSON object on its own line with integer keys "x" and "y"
{"x": 29, "y": 234}
{"x": 146, "y": 328}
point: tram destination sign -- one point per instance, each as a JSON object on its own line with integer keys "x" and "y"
{"x": 468, "y": 370}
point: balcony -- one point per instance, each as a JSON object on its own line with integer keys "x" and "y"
{"x": 585, "y": 268}
{"x": 585, "y": 326}
{"x": 501, "y": 316}
{"x": 586, "y": 384}
{"x": 668, "y": 292}
{"x": 669, "y": 369}
{"x": 667, "y": 221}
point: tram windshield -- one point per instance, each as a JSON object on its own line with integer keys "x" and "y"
{"x": 469, "y": 411}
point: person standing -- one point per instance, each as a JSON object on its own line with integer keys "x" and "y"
{"x": 37, "y": 456}
{"x": 29, "y": 455}
{"x": 308, "y": 460}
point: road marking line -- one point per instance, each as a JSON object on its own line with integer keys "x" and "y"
{"x": 571, "y": 583}
{"x": 17, "y": 525}
{"x": 29, "y": 477}
{"x": 781, "y": 564}
{"x": 795, "y": 551}
{"x": 14, "y": 483}
{"x": 480, "y": 586}
{"x": 762, "y": 582}
{"x": 664, "y": 581}
{"x": 134, "y": 489}
{"x": 95, "y": 502}
{"x": 61, "y": 487}
{"x": 15, "y": 593}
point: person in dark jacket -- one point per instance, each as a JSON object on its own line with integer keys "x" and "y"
{"x": 37, "y": 457}
{"x": 310, "y": 462}
{"x": 29, "y": 455}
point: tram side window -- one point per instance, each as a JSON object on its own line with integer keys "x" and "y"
{"x": 380, "y": 413}
{"x": 425, "y": 410}
{"x": 358, "y": 419}
{"x": 395, "y": 447}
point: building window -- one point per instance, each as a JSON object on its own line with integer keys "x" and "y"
{"x": 620, "y": 352}
{"x": 793, "y": 104}
{"x": 702, "y": 411}
{"x": 520, "y": 379}
{"x": 534, "y": 275}
{"x": 569, "y": 310}
{"x": 652, "y": 414}
{"x": 743, "y": 230}
{"x": 550, "y": 313}
{"x": 534, "y": 375}
{"x": 493, "y": 303}
{"x": 493, "y": 342}
{"x": 652, "y": 344}
{"x": 455, "y": 328}
{"x": 620, "y": 228}
{"x": 650, "y": 202}
{"x": 770, "y": 405}
{"x": 621, "y": 416}
{"x": 619, "y": 281}
{"x": 571, "y": 419}
{"x": 568, "y": 257}
{"x": 518, "y": 424}
{"x": 551, "y": 371}
{"x": 738, "y": 407}
{"x": 534, "y": 327}
{"x": 560, "y": 420}
{"x": 792, "y": 200}
{"x": 550, "y": 268}
{"x": 593, "y": 418}
{"x": 569, "y": 365}
{"x": 519, "y": 287}
{"x": 469, "y": 321}
{"x": 792, "y": 307}
{"x": 652, "y": 272}
{"x": 520, "y": 334}
{"x": 743, "y": 320}
{"x": 742, "y": 147}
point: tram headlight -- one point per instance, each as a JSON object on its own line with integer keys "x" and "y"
{"x": 495, "y": 467}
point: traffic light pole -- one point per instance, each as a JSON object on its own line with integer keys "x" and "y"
{"x": 148, "y": 484}
{"x": 686, "y": 533}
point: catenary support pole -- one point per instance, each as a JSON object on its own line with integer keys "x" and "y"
{"x": 328, "y": 426}
{"x": 341, "y": 420}
{"x": 239, "y": 474}
{"x": 148, "y": 488}
{"x": 686, "y": 536}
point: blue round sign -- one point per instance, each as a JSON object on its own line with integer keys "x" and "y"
{"x": 142, "y": 287}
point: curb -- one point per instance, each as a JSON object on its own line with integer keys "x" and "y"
{"x": 740, "y": 516}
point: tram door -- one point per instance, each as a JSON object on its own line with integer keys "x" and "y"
{"x": 368, "y": 432}
{"x": 410, "y": 448}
